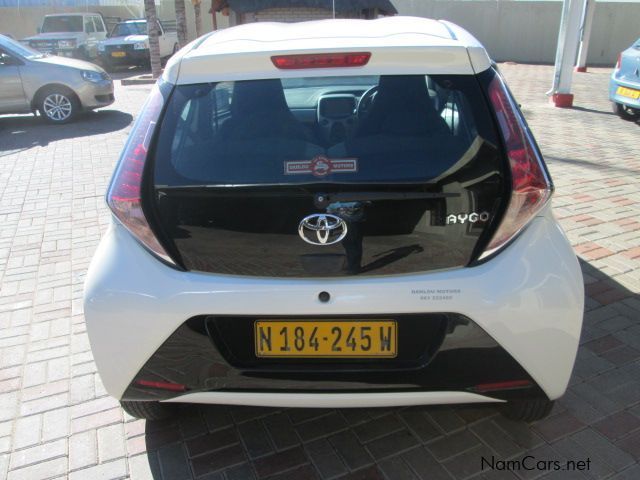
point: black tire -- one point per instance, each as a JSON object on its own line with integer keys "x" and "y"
{"x": 527, "y": 410}
{"x": 148, "y": 410}
{"x": 58, "y": 105}
{"x": 626, "y": 113}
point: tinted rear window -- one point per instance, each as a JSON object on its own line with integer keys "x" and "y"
{"x": 373, "y": 129}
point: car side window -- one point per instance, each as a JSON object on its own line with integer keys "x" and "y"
{"x": 98, "y": 23}
{"x": 6, "y": 59}
{"x": 88, "y": 25}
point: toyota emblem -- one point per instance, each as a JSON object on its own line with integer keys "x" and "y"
{"x": 322, "y": 229}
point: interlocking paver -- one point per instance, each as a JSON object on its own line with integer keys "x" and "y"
{"x": 56, "y": 418}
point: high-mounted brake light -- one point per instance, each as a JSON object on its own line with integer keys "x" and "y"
{"x": 321, "y": 60}
{"x": 530, "y": 186}
{"x": 124, "y": 195}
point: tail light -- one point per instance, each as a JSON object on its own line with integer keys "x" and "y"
{"x": 531, "y": 188}
{"x": 124, "y": 195}
{"x": 321, "y": 60}
{"x": 619, "y": 61}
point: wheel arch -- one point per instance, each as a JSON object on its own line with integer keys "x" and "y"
{"x": 37, "y": 96}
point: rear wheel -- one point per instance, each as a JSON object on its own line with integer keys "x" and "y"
{"x": 627, "y": 113}
{"x": 148, "y": 410}
{"x": 527, "y": 410}
{"x": 58, "y": 105}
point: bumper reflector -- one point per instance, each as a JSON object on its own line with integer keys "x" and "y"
{"x": 492, "y": 387}
{"x": 174, "y": 387}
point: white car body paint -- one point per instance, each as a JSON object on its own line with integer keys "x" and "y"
{"x": 134, "y": 302}
{"x": 399, "y": 45}
{"x": 529, "y": 297}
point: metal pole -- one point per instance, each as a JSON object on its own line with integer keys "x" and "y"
{"x": 568, "y": 39}
{"x": 333, "y": 5}
{"x": 587, "y": 22}
{"x": 562, "y": 34}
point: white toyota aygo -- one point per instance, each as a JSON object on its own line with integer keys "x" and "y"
{"x": 341, "y": 213}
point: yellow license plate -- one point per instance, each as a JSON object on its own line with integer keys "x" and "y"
{"x": 628, "y": 92}
{"x": 118, "y": 54}
{"x": 326, "y": 338}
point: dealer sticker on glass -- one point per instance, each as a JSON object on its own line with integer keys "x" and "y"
{"x": 321, "y": 166}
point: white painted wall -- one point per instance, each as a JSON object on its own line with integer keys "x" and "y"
{"x": 527, "y": 31}
{"x": 520, "y": 31}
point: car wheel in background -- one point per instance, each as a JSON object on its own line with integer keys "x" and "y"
{"x": 527, "y": 410}
{"x": 175, "y": 48}
{"x": 625, "y": 112}
{"x": 148, "y": 410}
{"x": 58, "y": 105}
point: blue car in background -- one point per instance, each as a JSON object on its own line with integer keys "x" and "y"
{"x": 624, "y": 87}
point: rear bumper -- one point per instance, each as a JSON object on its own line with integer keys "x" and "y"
{"x": 333, "y": 400}
{"x": 614, "y": 97}
{"x": 528, "y": 300}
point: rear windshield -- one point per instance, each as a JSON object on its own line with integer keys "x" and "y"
{"x": 369, "y": 129}
{"x": 71, "y": 23}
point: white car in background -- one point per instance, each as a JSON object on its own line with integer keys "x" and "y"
{"x": 341, "y": 213}
{"x": 70, "y": 35}
{"x": 128, "y": 44}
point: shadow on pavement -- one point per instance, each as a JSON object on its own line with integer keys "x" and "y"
{"x": 22, "y": 132}
{"x": 230, "y": 442}
{"x": 591, "y": 110}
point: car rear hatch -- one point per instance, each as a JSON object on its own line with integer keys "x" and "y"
{"x": 244, "y": 184}
{"x": 388, "y": 161}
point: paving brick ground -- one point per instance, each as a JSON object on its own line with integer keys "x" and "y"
{"x": 56, "y": 420}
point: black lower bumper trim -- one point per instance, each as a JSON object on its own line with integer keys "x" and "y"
{"x": 440, "y": 352}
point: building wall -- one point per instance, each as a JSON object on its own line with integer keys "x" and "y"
{"x": 527, "y": 31}
{"x": 521, "y": 31}
{"x": 292, "y": 15}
